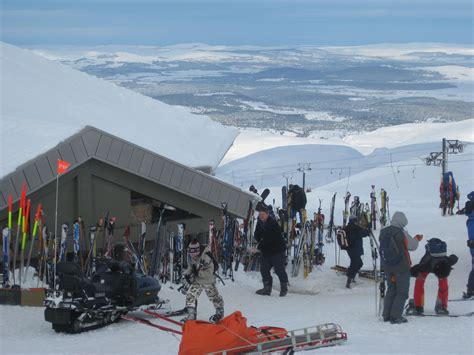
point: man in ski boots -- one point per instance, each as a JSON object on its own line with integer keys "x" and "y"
{"x": 395, "y": 242}
{"x": 355, "y": 249}
{"x": 201, "y": 274}
{"x": 272, "y": 246}
{"x": 437, "y": 262}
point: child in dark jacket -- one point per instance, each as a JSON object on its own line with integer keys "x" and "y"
{"x": 355, "y": 249}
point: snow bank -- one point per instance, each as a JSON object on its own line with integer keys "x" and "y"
{"x": 44, "y": 102}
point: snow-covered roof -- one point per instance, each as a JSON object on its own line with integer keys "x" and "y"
{"x": 44, "y": 103}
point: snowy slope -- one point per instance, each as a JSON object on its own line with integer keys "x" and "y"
{"x": 44, "y": 102}
{"x": 251, "y": 141}
{"x": 318, "y": 299}
{"x": 327, "y": 163}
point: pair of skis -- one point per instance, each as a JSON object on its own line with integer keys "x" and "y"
{"x": 319, "y": 257}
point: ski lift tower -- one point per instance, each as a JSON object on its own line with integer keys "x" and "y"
{"x": 449, "y": 146}
{"x": 303, "y": 167}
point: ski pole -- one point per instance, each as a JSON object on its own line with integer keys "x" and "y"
{"x": 26, "y": 217}
{"x": 18, "y": 226}
{"x": 219, "y": 278}
{"x": 6, "y": 245}
{"x": 35, "y": 227}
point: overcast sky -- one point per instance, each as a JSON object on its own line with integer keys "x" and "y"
{"x": 231, "y": 22}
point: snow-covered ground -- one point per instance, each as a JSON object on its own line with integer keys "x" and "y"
{"x": 318, "y": 299}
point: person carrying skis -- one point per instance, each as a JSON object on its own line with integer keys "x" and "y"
{"x": 201, "y": 275}
{"x": 395, "y": 242}
{"x": 355, "y": 248}
{"x": 272, "y": 246}
{"x": 469, "y": 211}
{"x": 437, "y": 262}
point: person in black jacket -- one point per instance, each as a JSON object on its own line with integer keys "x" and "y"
{"x": 272, "y": 247}
{"x": 355, "y": 250}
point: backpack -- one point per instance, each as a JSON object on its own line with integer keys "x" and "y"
{"x": 390, "y": 253}
{"x": 297, "y": 198}
{"x": 342, "y": 240}
{"x": 436, "y": 247}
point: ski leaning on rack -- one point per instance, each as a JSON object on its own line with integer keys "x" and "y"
{"x": 319, "y": 257}
{"x": 155, "y": 262}
{"x": 345, "y": 213}
{"x": 63, "y": 245}
{"x": 329, "y": 235}
{"x": 373, "y": 208}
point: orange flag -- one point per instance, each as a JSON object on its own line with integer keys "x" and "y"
{"x": 62, "y": 166}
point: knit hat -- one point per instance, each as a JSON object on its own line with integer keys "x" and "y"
{"x": 194, "y": 248}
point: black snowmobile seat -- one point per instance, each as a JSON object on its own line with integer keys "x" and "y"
{"x": 68, "y": 268}
{"x": 71, "y": 279}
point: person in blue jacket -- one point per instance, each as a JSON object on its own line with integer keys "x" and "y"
{"x": 469, "y": 211}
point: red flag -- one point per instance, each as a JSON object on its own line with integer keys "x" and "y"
{"x": 62, "y": 166}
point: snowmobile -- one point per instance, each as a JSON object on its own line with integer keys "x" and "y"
{"x": 78, "y": 303}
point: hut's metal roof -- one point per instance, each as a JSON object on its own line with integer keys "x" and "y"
{"x": 92, "y": 143}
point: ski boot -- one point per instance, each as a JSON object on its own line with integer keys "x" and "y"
{"x": 283, "y": 289}
{"x": 468, "y": 294}
{"x": 440, "y": 309}
{"x": 191, "y": 314}
{"x": 348, "y": 282}
{"x": 218, "y": 316}
{"x": 412, "y": 310}
{"x": 266, "y": 290}
{"x": 398, "y": 320}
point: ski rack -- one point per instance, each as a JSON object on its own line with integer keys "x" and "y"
{"x": 318, "y": 336}
{"x": 365, "y": 273}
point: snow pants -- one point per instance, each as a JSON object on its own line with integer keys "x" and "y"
{"x": 356, "y": 263}
{"x": 211, "y": 291}
{"x": 277, "y": 261}
{"x": 398, "y": 287}
{"x": 420, "y": 290}
{"x": 470, "y": 281}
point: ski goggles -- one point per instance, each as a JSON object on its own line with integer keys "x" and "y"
{"x": 194, "y": 250}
